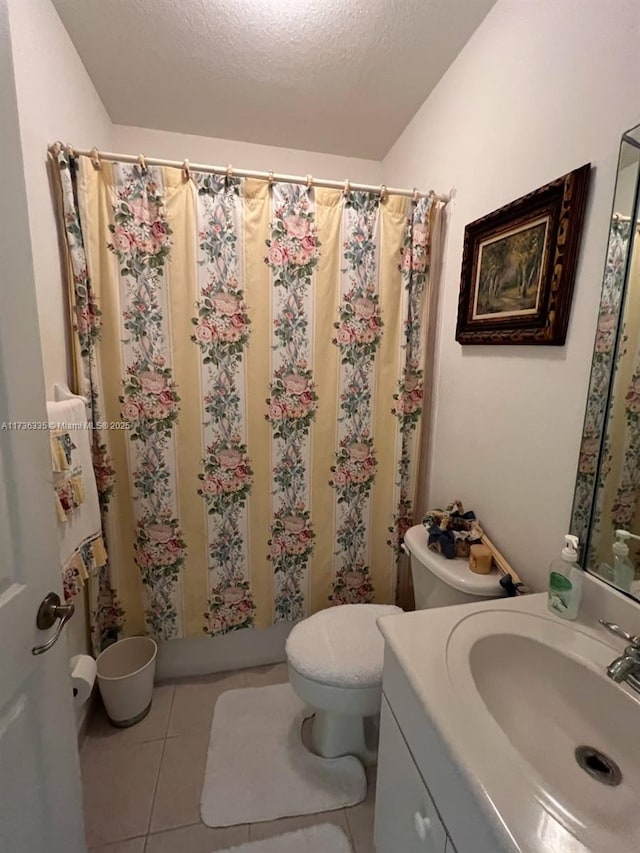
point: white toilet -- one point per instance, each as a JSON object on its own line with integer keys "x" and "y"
{"x": 335, "y": 666}
{"x": 438, "y": 582}
{"x": 335, "y": 656}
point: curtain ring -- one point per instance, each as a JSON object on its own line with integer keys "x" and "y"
{"x": 186, "y": 169}
{"x": 347, "y": 188}
{"x": 142, "y": 162}
{"x": 270, "y": 178}
{"x": 69, "y": 150}
{"x": 383, "y": 192}
{"x": 309, "y": 181}
{"x": 229, "y": 172}
{"x": 416, "y": 195}
{"x": 96, "y": 162}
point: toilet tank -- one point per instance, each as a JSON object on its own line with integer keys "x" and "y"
{"x": 438, "y": 582}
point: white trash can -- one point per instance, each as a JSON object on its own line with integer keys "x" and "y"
{"x": 126, "y": 671}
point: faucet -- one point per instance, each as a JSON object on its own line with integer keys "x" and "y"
{"x": 625, "y": 668}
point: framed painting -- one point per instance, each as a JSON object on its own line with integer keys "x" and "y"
{"x": 519, "y": 264}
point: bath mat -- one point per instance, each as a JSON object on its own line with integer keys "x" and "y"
{"x": 324, "y": 838}
{"x": 258, "y": 768}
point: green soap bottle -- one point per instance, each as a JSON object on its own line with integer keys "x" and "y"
{"x": 565, "y": 581}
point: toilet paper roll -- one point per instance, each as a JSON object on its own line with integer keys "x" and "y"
{"x": 83, "y": 676}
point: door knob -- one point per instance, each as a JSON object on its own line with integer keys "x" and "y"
{"x": 49, "y": 611}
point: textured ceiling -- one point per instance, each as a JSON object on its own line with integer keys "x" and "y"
{"x": 339, "y": 76}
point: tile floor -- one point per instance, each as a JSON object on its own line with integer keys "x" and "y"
{"x": 142, "y": 785}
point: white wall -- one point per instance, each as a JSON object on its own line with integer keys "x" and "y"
{"x": 541, "y": 88}
{"x": 243, "y": 155}
{"x": 56, "y": 101}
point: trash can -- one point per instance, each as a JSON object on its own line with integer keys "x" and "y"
{"x": 125, "y": 672}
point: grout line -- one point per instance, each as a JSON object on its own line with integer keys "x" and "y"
{"x": 180, "y": 826}
{"x": 155, "y": 789}
{"x": 115, "y": 842}
{"x": 173, "y": 699}
{"x": 114, "y": 743}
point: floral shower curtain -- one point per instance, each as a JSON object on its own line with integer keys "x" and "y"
{"x": 617, "y": 503}
{"x": 253, "y": 359}
{"x": 587, "y": 484}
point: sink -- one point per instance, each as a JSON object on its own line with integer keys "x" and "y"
{"x": 515, "y": 726}
{"x": 535, "y": 690}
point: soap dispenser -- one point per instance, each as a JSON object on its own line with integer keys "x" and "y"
{"x": 623, "y": 569}
{"x": 565, "y": 581}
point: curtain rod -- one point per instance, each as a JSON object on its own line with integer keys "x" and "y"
{"x": 383, "y": 190}
{"x": 621, "y": 217}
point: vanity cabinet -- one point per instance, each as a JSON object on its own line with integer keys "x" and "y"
{"x": 405, "y": 817}
{"x": 422, "y": 802}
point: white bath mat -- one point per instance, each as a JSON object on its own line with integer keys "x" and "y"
{"x": 258, "y": 768}
{"x": 324, "y": 838}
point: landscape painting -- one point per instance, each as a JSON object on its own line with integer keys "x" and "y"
{"x": 519, "y": 265}
{"x": 509, "y": 276}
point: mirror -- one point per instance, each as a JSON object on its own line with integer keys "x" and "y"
{"x": 607, "y": 494}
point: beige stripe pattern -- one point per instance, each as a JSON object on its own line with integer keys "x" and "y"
{"x": 261, "y": 346}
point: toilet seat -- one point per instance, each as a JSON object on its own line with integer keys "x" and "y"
{"x": 335, "y": 666}
{"x": 358, "y": 701}
{"x": 340, "y": 646}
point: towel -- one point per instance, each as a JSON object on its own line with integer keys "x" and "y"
{"x": 452, "y": 531}
{"x": 80, "y": 540}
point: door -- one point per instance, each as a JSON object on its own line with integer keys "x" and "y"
{"x": 40, "y": 793}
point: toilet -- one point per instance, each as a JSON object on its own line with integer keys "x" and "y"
{"x": 335, "y": 657}
{"x": 438, "y": 582}
{"x": 335, "y": 667}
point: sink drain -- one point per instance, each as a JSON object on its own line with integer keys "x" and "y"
{"x": 598, "y": 765}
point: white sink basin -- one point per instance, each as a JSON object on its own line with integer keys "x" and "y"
{"x": 542, "y": 685}
{"x": 510, "y": 692}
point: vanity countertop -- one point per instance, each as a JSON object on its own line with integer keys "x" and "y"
{"x": 517, "y": 767}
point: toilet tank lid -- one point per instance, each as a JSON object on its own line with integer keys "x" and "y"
{"x": 455, "y": 572}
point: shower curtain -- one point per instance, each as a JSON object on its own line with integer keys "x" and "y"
{"x": 253, "y": 356}
{"x": 617, "y": 500}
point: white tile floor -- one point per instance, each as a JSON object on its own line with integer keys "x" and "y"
{"x": 142, "y": 785}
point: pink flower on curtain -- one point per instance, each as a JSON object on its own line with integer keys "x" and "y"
{"x": 222, "y": 332}
{"x": 292, "y": 254}
{"x": 141, "y": 241}
{"x": 409, "y": 396}
{"x": 358, "y": 334}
